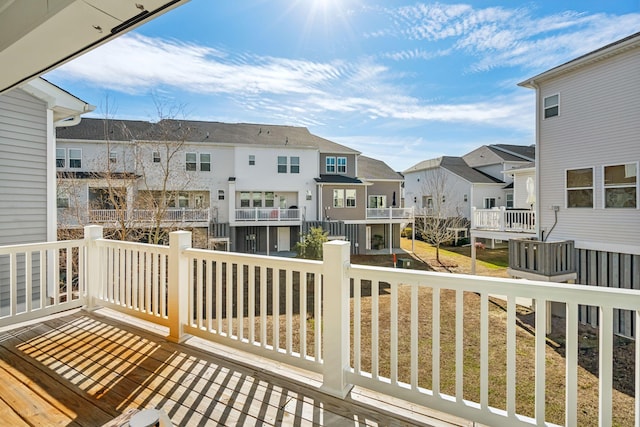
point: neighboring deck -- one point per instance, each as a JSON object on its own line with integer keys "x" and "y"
{"x": 84, "y": 369}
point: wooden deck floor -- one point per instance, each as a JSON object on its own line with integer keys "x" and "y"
{"x": 82, "y": 369}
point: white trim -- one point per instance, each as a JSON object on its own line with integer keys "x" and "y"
{"x": 593, "y": 188}
{"x": 544, "y": 107}
{"x": 603, "y": 187}
{"x": 52, "y": 195}
{"x": 608, "y": 247}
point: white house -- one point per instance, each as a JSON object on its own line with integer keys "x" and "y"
{"x": 588, "y": 135}
{"x": 477, "y": 179}
{"x": 256, "y": 187}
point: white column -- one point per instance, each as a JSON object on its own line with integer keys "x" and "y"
{"x": 94, "y": 278}
{"x": 335, "y": 330}
{"x": 178, "y": 292}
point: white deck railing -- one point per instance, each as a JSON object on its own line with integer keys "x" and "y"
{"x": 501, "y": 219}
{"x": 267, "y": 214}
{"x": 389, "y": 213}
{"x": 254, "y": 303}
{"x": 147, "y": 215}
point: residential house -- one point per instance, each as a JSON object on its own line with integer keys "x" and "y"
{"x": 587, "y": 132}
{"x": 476, "y": 179}
{"x": 254, "y": 187}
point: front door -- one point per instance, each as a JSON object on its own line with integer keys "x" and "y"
{"x": 284, "y": 239}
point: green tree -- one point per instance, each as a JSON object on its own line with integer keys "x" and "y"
{"x": 311, "y": 245}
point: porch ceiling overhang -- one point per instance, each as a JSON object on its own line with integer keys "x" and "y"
{"x": 37, "y": 36}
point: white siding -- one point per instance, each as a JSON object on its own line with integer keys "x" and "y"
{"x": 598, "y": 125}
{"x": 482, "y": 191}
{"x": 23, "y": 168}
{"x": 417, "y": 186}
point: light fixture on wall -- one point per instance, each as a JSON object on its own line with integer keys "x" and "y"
{"x": 308, "y": 194}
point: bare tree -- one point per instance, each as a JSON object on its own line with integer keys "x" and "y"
{"x": 135, "y": 184}
{"x": 443, "y": 217}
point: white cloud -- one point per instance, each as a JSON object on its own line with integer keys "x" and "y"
{"x": 501, "y": 37}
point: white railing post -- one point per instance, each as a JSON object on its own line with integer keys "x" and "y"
{"x": 93, "y": 280}
{"x": 503, "y": 214}
{"x": 473, "y": 217}
{"x": 178, "y": 292}
{"x": 335, "y": 317}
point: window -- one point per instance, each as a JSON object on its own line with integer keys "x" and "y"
{"x": 245, "y": 199}
{"x": 509, "y": 200}
{"x": 191, "y": 161}
{"x": 330, "y": 164}
{"x": 156, "y": 157}
{"x": 61, "y": 157}
{"x": 338, "y": 198}
{"x": 342, "y": 165}
{"x": 620, "y": 186}
{"x": 183, "y": 200}
{"x": 75, "y": 158}
{"x": 551, "y": 106}
{"x": 282, "y": 164}
{"x": 427, "y": 202}
{"x": 377, "y": 202}
{"x": 268, "y": 199}
{"x": 257, "y": 200}
{"x": 205, "y": 162}
{"x": 252, "y": 160}
{"x": 351, "y": 198}
{"x": 489, "y": 202}
{"x": 113, "y": 156}
{"x": 580, "y": 188}
{"x": 295, "y": 164}
{"x": 62, "y": 201}
{"x": 465, "y": 198}
{"x": 220, "y": 194}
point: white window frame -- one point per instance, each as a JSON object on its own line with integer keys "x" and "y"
{"x": 550, "y": 107}
{"x": 79, "y": 159}
{"x": 63, "y": 158}
{"x": 350, "y": 197}
{"x": 205, "y": 164}
{"x": 252, "y": 160}
{"x": 487, "y": 204}
{"x": 282, "y": 164}
{"x": 220, "y": 194}
{"x": 330, "y": 164}
{"x": 245, "y": 199}
{"x": 341, "y": 165}
{"x": 509, "y": 200}
{"x": 338, "y": 198}
{"x": 567, "y": 189}
{"x": 191, "y": 165}
{"x": 373, "y": 201}
{"x": 113, "y": 156}
{"x": 294, "y": 164}
{"x": 155, "y": 157}
{"x": 626, "y": 185}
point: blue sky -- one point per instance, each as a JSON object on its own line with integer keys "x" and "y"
{"x": 399, "y": 81}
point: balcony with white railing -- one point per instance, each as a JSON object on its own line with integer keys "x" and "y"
{"x": 379, "y": 329}
{"x": 145, "y": 216}
{"x": 397, "y": 214}
{"x": 504, "y": 220}
{"x": 264, "y": 216}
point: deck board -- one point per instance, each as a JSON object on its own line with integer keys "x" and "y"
{"x": 84, "y": 369}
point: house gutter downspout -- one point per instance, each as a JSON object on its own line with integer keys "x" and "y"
{"x": 537, "y": 158}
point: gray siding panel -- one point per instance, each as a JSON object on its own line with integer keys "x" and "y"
{"x": 23, "y": 168}
{"x": 598, "y": 125}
